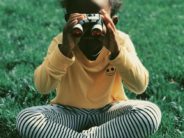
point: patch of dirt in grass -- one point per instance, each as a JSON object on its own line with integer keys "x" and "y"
{"x": 177, "y": 80}
{"x": 9, "y": 11}
{"x": 6, "y": 131}
{"x": 10, "y": 65}
{"x": 143, "y": 96}
{"x": 3, "y": 92}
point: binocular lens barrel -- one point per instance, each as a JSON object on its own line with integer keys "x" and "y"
{"x": 96, "y": 30}
{"x": 77, "y": 30}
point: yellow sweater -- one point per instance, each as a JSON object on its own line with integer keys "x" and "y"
{"x": 82, "y": 83}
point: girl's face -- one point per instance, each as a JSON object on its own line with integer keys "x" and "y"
{"x": 88, "y": 44}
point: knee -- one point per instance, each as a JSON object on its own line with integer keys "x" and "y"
{"x": 150, "y": 115}
{"x": 25, "y": 119}
{"x": 153, "y": 111}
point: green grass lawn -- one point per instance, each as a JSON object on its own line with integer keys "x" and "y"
{"x": 156, "y": 28}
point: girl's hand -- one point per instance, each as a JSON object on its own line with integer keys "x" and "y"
{"x": 69, "y": 41}
{"x": 111, "y": 37}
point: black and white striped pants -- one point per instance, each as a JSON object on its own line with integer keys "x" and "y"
{"x": 126, "y": 119}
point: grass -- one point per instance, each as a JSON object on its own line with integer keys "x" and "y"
{"x": 156, "y": 28}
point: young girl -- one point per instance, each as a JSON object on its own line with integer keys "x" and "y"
{"x": 87, "y": 72}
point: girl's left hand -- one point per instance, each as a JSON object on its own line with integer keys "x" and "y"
{"x": 111, "y": 41}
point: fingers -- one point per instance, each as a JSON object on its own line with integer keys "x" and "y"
{"x": 111, "y": 29}
{"x": 71, "y": 23}
{"x": 107, "y": 20}
{"x": 76, "y": 16}
{"x": 74, "y": 19}
{"x": 68, "y": 40}
{"x": 110, "y": 37}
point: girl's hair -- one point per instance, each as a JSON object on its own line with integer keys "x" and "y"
{"x": 115, "y": 5}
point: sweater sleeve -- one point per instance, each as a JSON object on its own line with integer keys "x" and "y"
{"x": 54, "y": 67}
{"x": 134, "y": 75}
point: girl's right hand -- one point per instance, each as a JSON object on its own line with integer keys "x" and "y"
{"x": 70, "y": 41}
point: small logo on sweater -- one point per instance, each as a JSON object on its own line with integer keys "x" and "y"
{"x": 110, "y": 70}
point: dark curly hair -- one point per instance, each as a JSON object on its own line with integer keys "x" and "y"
{"x": 115, "y": 5}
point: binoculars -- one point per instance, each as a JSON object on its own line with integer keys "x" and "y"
{"x": 93, "y": 22}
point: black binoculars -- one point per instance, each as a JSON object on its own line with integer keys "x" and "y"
{"x": 94, "y": 23}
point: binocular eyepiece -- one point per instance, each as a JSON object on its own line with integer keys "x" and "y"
{"x": 93, "y": 21}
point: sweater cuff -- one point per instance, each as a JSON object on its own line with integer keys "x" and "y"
{"x": 120, "y": 59}
{"x": 58, "y": 60}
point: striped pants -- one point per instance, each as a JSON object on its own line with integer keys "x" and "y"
{"x": 126, "y": 119}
